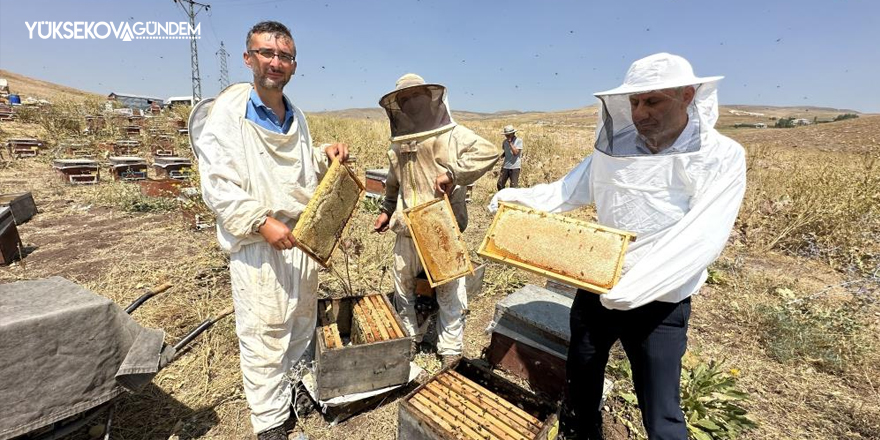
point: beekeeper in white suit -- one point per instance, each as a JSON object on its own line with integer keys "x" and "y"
{"x": 258, "y": 171}
{"x": 661, "y": 170}
{"x": 430, "y": 156}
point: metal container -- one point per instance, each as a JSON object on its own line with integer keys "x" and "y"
{"x": 172, "y": 167}
{"x": 15, "y": 99}
{"x": 360, "y": 345}
{"x": 77, "y": 171}
{"x": 128, "y": 168}
{"x": 10, "y": 241}
{"x": 466, "y": 401}
{"x": 22, "y": 206}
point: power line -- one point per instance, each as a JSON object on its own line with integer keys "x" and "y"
{"x": 194, "y": 8}
{"x": 224, "y": 73}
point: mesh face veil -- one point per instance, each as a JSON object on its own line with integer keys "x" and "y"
{"x": 617, "y": 134}
{"x": 417, "y": 111}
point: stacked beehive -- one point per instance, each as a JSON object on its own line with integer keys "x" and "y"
{"x": 467, "y": 410}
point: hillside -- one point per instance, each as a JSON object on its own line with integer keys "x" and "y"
{"x": 39, "y": 89}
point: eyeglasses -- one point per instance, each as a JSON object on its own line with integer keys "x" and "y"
{"x": 268, "y": 54}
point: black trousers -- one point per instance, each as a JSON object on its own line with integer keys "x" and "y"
{"x": 654, "y": 338}
{"x": 508, "y": 174}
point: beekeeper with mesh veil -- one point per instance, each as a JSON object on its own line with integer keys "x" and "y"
{"x": 661, "y": 170}
{"x": 430, "y": 155}
{"x": 258, "y": 170}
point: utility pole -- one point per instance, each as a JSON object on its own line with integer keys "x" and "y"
{"x": 194, "y": 8}
{"x": 224, "y": 73}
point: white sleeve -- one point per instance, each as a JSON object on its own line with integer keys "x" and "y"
{"x": 687, "y": 248}
{"x": 570, "y": 192}
{"x": 222, "y": 180}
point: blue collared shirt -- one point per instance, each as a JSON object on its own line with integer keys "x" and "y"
{"x": 263, "y": 116}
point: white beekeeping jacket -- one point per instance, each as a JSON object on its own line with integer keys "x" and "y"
{"x": 682, "y": 204}
{"x": 247, "y": 171}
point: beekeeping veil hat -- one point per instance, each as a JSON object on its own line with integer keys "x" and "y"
{"x": 416, "y": 109}
{"x": 616, "y": 133}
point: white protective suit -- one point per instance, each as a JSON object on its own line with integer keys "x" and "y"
{"x": 682, "y": 203}
{"x": 246, "y": 173}
{"x": 424, "y": 147}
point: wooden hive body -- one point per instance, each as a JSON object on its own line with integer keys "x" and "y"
{"x": 10, "y": 241}
{"x": 22, "y": 206}
{"x": 360, "y": 345}
{"x": 469, "y": 402}
{"x": 574, "y": 252}
{"x": 321, "y": 225}
{"x": 442, "y": 252}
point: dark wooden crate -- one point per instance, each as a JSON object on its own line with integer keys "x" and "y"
{"x": 543, "y": 369}
{"x": 10, "y": 241}
{"x": 362, "y": 367}
{"x": 22, "y": 206}
{"x": 530, "y": 337}
{"x": 469, "y": 401}
{"x": 375, "y": 182}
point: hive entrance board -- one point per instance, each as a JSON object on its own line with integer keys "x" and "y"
{"x": 360, "y": 345}
{"x": 321, "y": 225}
{"x": 469, "y": 402}
{"x": 574, "y": 252}
{"x": 438, "y": 241}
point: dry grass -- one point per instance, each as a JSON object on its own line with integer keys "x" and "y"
{"x": 810, "y": 221}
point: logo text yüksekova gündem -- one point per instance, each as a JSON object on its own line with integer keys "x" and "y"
{"x": 101, "y": 30}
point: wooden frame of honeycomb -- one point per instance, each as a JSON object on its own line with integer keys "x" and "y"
{"x": 577, "y": 253}
{"x": 320, "y": 227}
{"x": 442, "y": 251}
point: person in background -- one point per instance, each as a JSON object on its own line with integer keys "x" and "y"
{"x": 512, "y": 165}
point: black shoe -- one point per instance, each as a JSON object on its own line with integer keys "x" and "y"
{"x": 276, "y": 433}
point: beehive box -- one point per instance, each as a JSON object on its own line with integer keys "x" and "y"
{"x": 438, "y": 241}
{"x": 573, "y": 252}
{"x": 128, "y": 168}
{"x": 321, "y": 225}
{"x": 77, "y": 171}
{"x": 375, "y": 183}
{"x": 178, "y": 168}
{"x": 10, "y": 241}
{"x": 360, "y": 345}
{"x": 530, "y": 338}
{"x": 22, "y": 206}
{"x": 126, "y": 147}
{"x": 469, "y": 402}
{"x": 24, "y": 147}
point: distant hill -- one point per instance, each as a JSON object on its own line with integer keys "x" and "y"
{"x": 729, "y": 114}
{"x": 39, "y": 89}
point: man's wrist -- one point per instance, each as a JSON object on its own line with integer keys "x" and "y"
{"x": 258, "y": 223}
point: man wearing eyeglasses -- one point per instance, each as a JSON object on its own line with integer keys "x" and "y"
{"x": 258, "y": 171}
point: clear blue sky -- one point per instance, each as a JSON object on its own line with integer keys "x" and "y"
{"x": 525, "y": 55}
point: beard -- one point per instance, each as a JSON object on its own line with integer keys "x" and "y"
{"x": 269, "y": 83}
